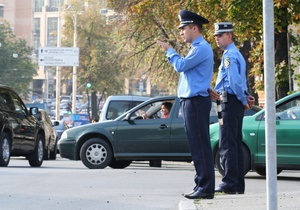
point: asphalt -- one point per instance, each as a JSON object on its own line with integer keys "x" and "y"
{"x": 247, "y": 201}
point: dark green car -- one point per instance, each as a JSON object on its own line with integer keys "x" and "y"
{"x": 118, "y": 142}
{"x": 129, "y": 137}
{"x": 287, "y": 135}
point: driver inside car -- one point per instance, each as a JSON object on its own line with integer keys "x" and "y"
{"x": 165, "y": 109}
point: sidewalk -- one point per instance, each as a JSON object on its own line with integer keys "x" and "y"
{"x": 248, "y": 201}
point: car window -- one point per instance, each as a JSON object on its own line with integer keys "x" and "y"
{"x": 289, "y": 110}
{"x": 19, "y": 106}
{"x": 152, "y": 110}
{"x": 117, "y": 108}
{"x": 6, "y": 102}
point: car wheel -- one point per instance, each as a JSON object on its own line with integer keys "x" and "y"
{"x": 96, "y": 153}
{"x": 36, "y": 159}
{"x": 262, "y": 171}
{"x": 5, "y": 150}
{"x": 46, "y": 154}
{"x": 247, "y": 161}
{"x": 155, "y": 163}
{"x": 119, "y": 164}
{"x": 53, "y": 153}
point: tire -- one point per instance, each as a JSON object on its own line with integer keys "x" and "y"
{"x": 119, "y": 164}
{"x": 155, "y": 163}
{"x": 5, "y": 150}
{"x": 36, "y": 159}
{"x": 96, "y": 153}
{"x": 46, "y": 154}
{"x": 247, "y": 161}
{"x": 53, "y": 153}
{"x": 262, "y": 171}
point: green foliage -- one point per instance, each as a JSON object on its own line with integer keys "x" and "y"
{"x": 99, "y": 61}
{"x": 147, "y": 20}
{"x": 280, "y": 72}
{"x": 16, "y": 64}
{"x": 295, "y": 49}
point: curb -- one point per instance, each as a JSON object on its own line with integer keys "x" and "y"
{"x": 187, "y": 205}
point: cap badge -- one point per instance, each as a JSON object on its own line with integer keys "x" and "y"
{"x": 179, "y": 17}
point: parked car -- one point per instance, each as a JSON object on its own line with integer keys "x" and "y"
{"x": 21, "y": 134}
{"x": 60, "y": 126}
{"x": 287, "y": 138}
{"x": 129, "y": 137}
{"x": 51, "y": 135}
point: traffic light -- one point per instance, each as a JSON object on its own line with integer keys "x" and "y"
{"x": 88, "y": 85}
{"x": 69, "y": 108}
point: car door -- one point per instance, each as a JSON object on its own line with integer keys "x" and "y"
{"x": 144, "y": 137}
{"x": 179, "y": 144}
{"x": 287, "y": 134}
{"x": 24, "y": 129}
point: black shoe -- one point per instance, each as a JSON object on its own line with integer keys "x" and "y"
{"x": 221, "y": 190}
{"x": 199, "y": 195}
{"x": 190, "y": 193}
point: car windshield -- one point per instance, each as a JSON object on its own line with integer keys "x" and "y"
{"x": 289, "y": 110}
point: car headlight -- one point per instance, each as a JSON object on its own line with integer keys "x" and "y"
{"x": 64, "y": 135}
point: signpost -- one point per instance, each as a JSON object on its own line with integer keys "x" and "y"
{"x": 58, "y": 56}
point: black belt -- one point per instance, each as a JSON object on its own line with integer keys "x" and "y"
{"x": 193, "y": 97}
{"x": 229, "y": 94}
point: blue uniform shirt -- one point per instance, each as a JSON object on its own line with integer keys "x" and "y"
{"x": 195, "y": 69}
{"x": 232, "y": 73}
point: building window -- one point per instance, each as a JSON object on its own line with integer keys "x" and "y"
{"x": 38, "y": 5}
{"x": 1, "y": 11}
{"x": 53, "y": 5}
{"x": 52, "y": 31}
{"x": 37, "y": 34}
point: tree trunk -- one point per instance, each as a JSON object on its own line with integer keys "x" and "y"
{"x": 245, "y": 50}
{"x": 281, "y": 52}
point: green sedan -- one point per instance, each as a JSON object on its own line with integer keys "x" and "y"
{"x": 287, "y": 136}
{"x": 116, "y": 143}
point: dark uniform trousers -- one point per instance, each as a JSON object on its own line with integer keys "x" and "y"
{"x": 230, "y": 145}
{"x": 196, "y": 111}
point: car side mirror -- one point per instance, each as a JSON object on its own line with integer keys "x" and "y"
{"x": 127, "y": 117}
{"x": 33, "y": 110}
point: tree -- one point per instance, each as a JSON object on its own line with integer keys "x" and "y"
{"x": 99, "y": 63}
{"x": 17, "y": 67}
{"x": 147, "y": 20}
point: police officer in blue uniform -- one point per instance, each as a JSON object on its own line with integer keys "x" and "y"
{"x": 196, "y": 70}
{"x": 231, "y": 84}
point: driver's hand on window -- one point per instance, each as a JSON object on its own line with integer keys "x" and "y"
{"x": 144, "y": 115}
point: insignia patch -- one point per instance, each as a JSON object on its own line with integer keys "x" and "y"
{"x": 227, "y": 62}
{"x": 192, "y": 51}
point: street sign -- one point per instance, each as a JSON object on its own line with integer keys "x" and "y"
{"x": 58, "y": 56}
